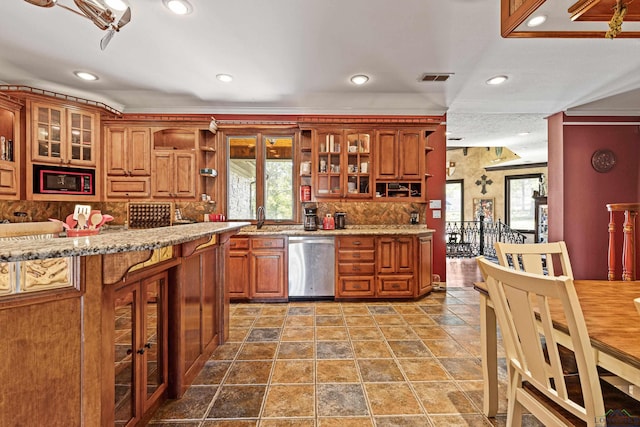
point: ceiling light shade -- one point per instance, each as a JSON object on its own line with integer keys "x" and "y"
{"x": 179, "y": 7}
{"x": 497, "y": 80}
{"x": 536, "y": 20}
{"x": 85, "y": 76}
{"x": 118, "y": 5}
{"x": 359, "y": 79}
{"x": 226, "y": 78}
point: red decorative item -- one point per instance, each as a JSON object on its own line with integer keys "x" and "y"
{"x": 328, "y": 223}
{"x": 305, "y": 193}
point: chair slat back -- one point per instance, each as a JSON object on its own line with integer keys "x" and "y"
{"x": 522, "y": 305}
{"x": 534, "y": 257}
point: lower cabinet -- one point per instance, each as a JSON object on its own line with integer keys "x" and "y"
{"x": 257, "y": 268}
{"x": 355, "y": 275}
{"x": 395, "y": 266}
{"x": 425, "y": 281}
{"x": 140, "y": 337}
{"x": 383, "y": 266}
{"x": 195, "y": 312}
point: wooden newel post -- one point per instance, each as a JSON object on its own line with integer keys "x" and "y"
{"x": 629, "y": 244}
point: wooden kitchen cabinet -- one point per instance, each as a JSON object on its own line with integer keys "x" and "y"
{"x": 257, "y": 268}
{"x": 63, "y": 135}
{"x": 268, "y": 261}
{"x": 402, "y": 155}
{"x": 355, "y": 272}
{"x": 174, "y": 175}
{"x": 128, "y": 162}
{"x": 173, "y": 167}
{"x": 395, "y": 260}
{"x": 238, "y": 268}
{"x": 425, "y": 278}
{"x": 141, "y": 356}
{"x": 195, "y": 312}
{"x": 10, "y": 187}
{"x": 400, "y": 172}
{"x": 342, "y": 164}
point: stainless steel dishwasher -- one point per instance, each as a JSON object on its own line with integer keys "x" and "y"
{"x": 311, "y": 266}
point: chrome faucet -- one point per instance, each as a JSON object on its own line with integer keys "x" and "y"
{"x": 260, "y": 215}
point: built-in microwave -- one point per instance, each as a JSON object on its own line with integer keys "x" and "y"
{"x": 62, "y": 180}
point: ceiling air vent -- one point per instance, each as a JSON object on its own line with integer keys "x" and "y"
{"x": 432, "y": 77}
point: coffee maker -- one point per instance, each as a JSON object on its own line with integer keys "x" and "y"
{"x": 310, "y": 218}
{"x": 340, "y": 220}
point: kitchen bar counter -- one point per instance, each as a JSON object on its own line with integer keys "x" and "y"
{"x": 109, "y": 242}
{"x": 374, "y": 230}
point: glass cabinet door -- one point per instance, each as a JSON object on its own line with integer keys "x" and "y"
{"x": 81, "y": 138}
{"x": 48, "y": 124}
{"x": 329, "y": 165}
{"x": 358, "y": 171}
{"x": 124, "y": 338}
{"x": 152, "y": 344}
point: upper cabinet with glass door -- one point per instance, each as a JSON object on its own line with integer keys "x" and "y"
{"x": 63, "y": 136}
{"x": 342, "y": 162}
{"x": 358, "y": 172}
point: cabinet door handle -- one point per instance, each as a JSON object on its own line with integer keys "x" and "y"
{"x": 148, "y": 345}
{"x": 356, "y": 268}
{"x": 356, "y": 255}
{"x": 357, "y": 243}
{"x": 129, "y": 351}
{"x": 395, "y": 286}
{"x": 140, "y": 351}
{"x": 357, "y": 287}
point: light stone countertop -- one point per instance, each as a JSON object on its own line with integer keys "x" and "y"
{"x": 351, "y": 230}
{"x": 111, "y": 241}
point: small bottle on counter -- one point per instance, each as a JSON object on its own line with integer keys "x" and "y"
{"x": 10, "y": 150}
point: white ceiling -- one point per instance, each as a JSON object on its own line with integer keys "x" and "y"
{"x": 296, "y": 57}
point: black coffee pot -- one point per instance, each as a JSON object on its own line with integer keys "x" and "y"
{"x": 340, "y": 220}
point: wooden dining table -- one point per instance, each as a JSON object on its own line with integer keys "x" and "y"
{"x": 612, "y": 321}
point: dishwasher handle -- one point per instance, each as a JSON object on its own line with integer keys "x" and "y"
{"x": 312, "y": 240}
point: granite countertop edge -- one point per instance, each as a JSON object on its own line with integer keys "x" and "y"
{"x": 354, "y": 230}
{"x": 112, "y": 241}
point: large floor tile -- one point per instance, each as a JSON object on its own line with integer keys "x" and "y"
{"x": 290, "y": 401}
{"x": 238, "y": 401}
{"x": 341, "y": 400}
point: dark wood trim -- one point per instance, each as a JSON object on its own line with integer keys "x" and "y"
{"x": 516, "y": 167}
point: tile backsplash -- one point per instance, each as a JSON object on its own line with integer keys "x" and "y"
{"x": 374, "y": 213}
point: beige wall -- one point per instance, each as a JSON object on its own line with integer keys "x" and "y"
{"x": 471, "y": 167}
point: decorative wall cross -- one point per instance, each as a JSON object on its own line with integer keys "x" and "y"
{"x": 484, "y": 182}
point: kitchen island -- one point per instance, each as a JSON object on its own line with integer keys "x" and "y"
{"x": 141, "y": 312}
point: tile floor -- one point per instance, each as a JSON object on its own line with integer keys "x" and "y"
{"x": 328, "y": 364}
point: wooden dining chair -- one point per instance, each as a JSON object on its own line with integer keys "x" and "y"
{"x": 535, "y": 257}
{"x": 537, "y": 383}
{"x": 538, "y": 258}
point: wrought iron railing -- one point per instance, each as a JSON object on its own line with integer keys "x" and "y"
{"x": 467, "y": 239}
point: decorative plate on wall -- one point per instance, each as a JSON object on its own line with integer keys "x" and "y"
{"x": 603, "y": 160}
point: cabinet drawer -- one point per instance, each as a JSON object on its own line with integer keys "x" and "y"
{"x": 351, "y": 268}
{"x": 267, "y": 243}
{"x": 356, "y": 242}
{"x": 396, "y": 285}
{"x": 239, "y": 243}
{"x": 356, "y": 287}
{"x": 357, "y": 256}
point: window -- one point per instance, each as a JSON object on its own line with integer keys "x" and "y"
{"x": 520, "y": 206}
{"x": 454, "y": 211}
{"x": 260, "y": 173}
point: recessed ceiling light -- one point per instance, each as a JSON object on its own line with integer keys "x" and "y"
{"x": 116, "y": 4}
{"x": 359, "y": 79}
{"x": 179, "y": 7}
{"x": 523, "y": 133}
{"x": 85, "y": 76}
{"x": 224, "y": 77}
{"x": 536, "y": 20}
{"x": 447, "y": 133}
{"x": 497, "y": 80}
